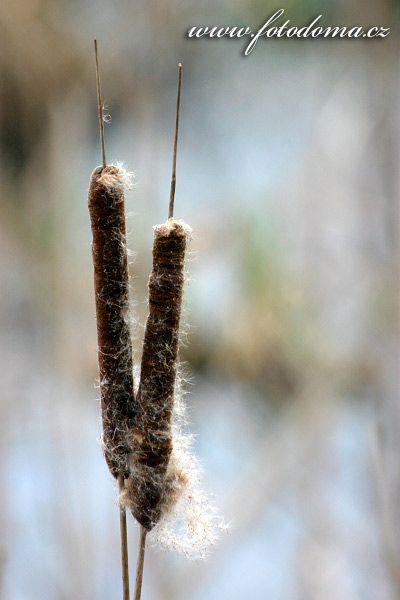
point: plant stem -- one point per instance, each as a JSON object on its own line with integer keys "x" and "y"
{"x": 100, "y": 106}
{"x": 140, "y": 564}
{"x": 124, "y": 545}
{"x": 173, "y": 178}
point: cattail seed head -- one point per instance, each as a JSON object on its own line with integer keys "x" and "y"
{"x": 150, "y": 483}
{"x": 111, "y": 282}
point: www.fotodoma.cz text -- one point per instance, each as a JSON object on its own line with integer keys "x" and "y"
{"x": 286, "y": 31}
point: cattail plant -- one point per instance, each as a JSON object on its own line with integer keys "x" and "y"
{"x": 144, "y": 441}
{"x": 106, "y": 208}
{"x": 111, "y": 284}
{"x": 152, "y": 484}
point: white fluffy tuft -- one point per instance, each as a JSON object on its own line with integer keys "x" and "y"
{"x": 189, "y": 524}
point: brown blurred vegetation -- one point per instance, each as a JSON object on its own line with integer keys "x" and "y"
{"x": 288, "y": 173}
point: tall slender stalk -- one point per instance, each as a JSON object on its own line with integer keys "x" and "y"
{"x": 124, "y": 545}
{"x": 100, "y": 106}
{"x": 140, "y": 564}
{"x": 173, "y": 177}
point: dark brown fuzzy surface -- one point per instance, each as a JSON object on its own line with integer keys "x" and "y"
{"x": 151, "y": 438}
{"x": 107, "y": 215}
{"x": 137, "y": 432}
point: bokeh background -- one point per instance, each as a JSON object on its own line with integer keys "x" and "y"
{"x": 288, "y": 172}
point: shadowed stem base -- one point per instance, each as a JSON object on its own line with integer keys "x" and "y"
{"x": 124, "y": 546}
{"x": 140, "y": 564}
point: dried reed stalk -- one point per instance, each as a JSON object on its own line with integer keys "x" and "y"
{"x": 140, "y": 564}
{"x": 124, "y": 544}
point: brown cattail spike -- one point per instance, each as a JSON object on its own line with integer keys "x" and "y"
{"x": 106, "y": 208}
{"x": 100, "y": 106}
{"x": 151, "y": 441}
{"x": 173, "y": 177}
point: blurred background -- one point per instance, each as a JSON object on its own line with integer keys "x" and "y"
{"x": 288, "y": 173}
